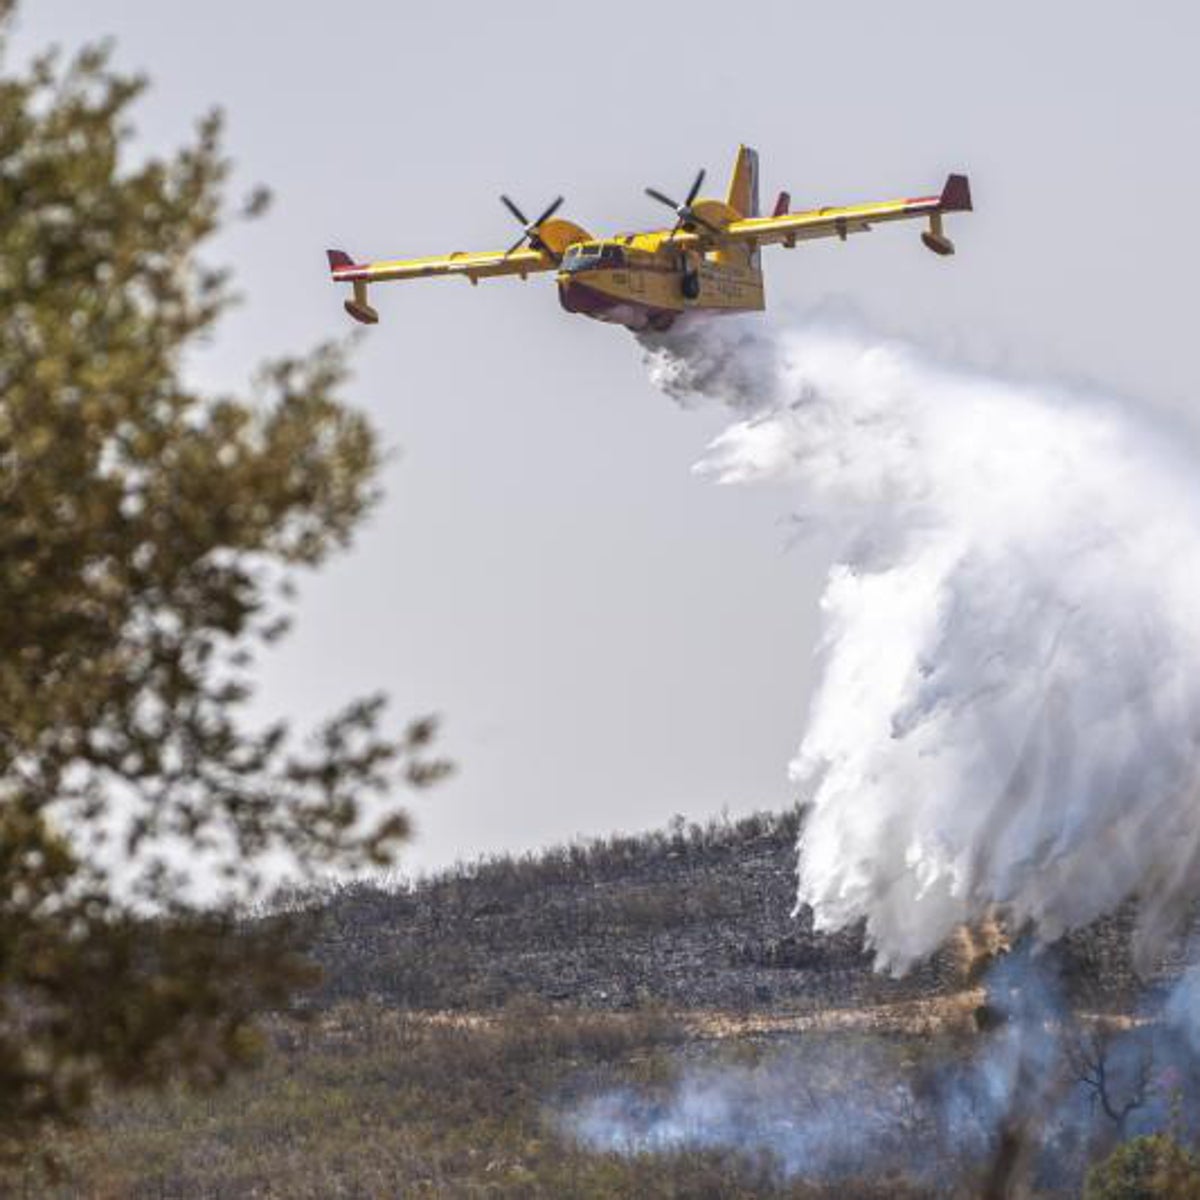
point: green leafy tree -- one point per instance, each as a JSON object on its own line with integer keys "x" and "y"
{"x": 147, "y": 538}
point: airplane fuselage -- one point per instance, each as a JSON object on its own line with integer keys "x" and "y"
{"x": 646, "y": 281}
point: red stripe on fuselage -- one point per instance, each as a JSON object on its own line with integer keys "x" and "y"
{"x": 578, "y": 297}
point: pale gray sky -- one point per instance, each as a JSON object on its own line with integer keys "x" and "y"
{"x": 609, "y": 639}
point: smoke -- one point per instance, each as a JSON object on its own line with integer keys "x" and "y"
{"x": 836, "y": 1108}
{"x": 1007, "y": 709}
{"x": 787, "y": 1107}
{"x": 1038, "y": 1098}
{"x": 1182, "y": 1008}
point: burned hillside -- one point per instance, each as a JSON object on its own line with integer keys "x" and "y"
{"x": 692, "y": 917}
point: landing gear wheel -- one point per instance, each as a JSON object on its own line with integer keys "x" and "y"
{"x": 691, "y": 285}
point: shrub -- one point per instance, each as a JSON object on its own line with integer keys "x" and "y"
{"x": 1146, "y": 1168}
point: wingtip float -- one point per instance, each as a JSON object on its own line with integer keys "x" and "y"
{"x": 708, "y": 260}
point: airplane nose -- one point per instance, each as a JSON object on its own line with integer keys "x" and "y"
{"x": 569, "y": 293}
{"x": 578, "y": 297}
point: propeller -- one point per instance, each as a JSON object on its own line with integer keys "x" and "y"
{"x": 685, "y": 216}
{"x": 531, "y": 228}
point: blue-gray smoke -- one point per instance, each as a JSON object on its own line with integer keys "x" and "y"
{"x": 932, "y": 1111}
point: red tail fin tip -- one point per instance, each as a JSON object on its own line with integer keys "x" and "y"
{"x": 782, "y": 204}
{"x": 338, "y": 260}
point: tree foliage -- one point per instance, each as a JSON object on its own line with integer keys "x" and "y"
{"x": 147, "y": 536}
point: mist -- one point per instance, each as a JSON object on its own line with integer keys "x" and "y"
{"x": 1007, "y": 709}
{"x": 1006, "y": 721}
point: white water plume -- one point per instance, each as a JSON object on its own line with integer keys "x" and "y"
{"x": 1008, "y": 702}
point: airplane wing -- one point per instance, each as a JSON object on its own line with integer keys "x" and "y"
{"x": 790, "y": 228}
{"x": 475, "y": 266}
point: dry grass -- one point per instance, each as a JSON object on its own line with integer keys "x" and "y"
{"x": 925, "y": 1017}
{"x": 365, "y": 1102}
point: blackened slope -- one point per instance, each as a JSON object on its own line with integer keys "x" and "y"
{"x": 696, "y": 917}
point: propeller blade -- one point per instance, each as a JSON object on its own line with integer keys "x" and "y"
{"x": 661, "y": 198}
{"x": 531, "y": 227}
{"x": 512, "y": 208}
{"x": 695, "y": 189}
{"x": 550, "y": 211}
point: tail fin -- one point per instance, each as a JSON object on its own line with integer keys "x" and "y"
{"x": 956, "y": 195}
{"x": 743, "y": 184}
{"x": 340, "y": 263}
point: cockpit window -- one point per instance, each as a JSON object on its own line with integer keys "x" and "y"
{"x": 590, "y": 256}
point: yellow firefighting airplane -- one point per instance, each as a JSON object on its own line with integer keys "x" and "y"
{"x": 709, "y": 260}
